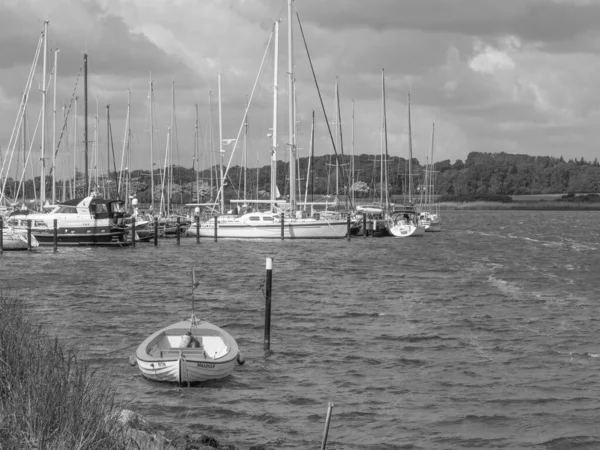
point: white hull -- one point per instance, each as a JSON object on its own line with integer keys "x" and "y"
{"x": 185, "y": 369}
{"x": 16, "y": 240}
{"x": 161, "y": 358}
{"x": 406, "y": 230}
{"x": 244, "y": 228}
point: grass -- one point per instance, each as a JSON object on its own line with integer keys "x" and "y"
{"x": 49, "y": 398}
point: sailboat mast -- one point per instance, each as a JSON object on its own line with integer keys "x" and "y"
{"x": 152, "y": 147}
{"x": 275, "y": 107}
{"x": 291, "y": 118}
{"x": 382, "y": 135}
{"x": 75, "y": 148}
{"x": 85, "y": 124}
{"x": 409, "y": 154}
{"x": 337, "y": 138}
{"x": 245, "y": 151}
{"x": 54, "y": 128}
{"x": 170, "y": 158}
{"x": 197, "y": 159}
{"x": 221, "y": 151}
{"x": 352, "y": 161}
{"x": 43, "y": 158}
{"x": 108, "y": 151}
{"x": 211, "y": 141}
{"x": 385, "y": 146}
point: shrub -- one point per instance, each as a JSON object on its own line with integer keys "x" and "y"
{"x": 49, "y": 398}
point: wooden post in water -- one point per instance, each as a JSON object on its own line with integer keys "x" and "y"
{"x": 215, "y": 228}
{"x": 1, "y": 235}
{"x": 268, "y": 283}
{"x": 155, "y": 231}
{"x": 178, "y": 230}
{"x": 28, "y": 234}
{"x": 133, "y": 231}
{"x": 348, "y": 226}
{"x": 282, "y": 226}
{"x": 373, "y": 228}
{"x": 364, "y": 227}
{"x": 327, "y": 420}
{"x": 197, "y": 229}
{"x": 55, "y": 234}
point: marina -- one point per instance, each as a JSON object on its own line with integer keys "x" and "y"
{"x": 481, "y": 336}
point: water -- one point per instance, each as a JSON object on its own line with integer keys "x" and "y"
{"x": 482, "y": 336}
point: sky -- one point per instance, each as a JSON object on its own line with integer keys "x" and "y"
{"x": 515, "y": 76}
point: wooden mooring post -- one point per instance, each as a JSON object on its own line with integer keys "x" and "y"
{"x": 133, "y": 231}
{"x": 216, "y": 228}
{"x": 55, "y": 235}
{"x": 268, "y": 283}
{"x": 29, "y": 234}
{"x": 1, "y": 236}
{"x": 327, "y": 421}
{"x": 155, "y": 231}
{"x": 197, "y": 229}
{"x": 282, "y": 226}
{"x": 364, "y": 227}
{"x": 178, "y": 230}
{"x": 348, "y": 226}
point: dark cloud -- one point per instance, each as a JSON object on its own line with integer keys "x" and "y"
{"x": 542, "y": 21}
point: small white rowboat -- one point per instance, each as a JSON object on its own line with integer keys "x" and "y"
{"x": 187, "y": 352}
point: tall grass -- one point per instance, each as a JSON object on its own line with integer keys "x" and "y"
{"x": 49, "y": 398}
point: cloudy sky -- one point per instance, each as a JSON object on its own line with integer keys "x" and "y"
{"x": 518, "y": 76}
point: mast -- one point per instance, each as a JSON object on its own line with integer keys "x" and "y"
{"x": 291, "y": 118}
{"x": 245, "y": 151}
{"x": 221, "y": 151}
{"x": 210, "y": 141}
{"x": 54, "y": 128}
{"x": 85, "y": 124}
{"x": 385, "y": 146}
{"x": 382, "y": 136}
{"x": 152, "y": 146}
{"x": 170, "y": 148}
{"x": 275, "y": 107}
{"x": 197, "y": 160}
{"x": 352, "y": 161}
{"x": 75, "y": 148}
{"x": 409, "y": 154}
{"x": 337, "y": 137}
{"x": 312, "y": 149}
{"x": 43, "y": 158}
{"x": 107, "y": 189}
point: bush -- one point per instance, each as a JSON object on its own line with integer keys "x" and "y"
{"x": 49, "y": 399}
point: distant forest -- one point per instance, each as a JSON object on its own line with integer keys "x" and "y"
{"x": 480, "y": 175}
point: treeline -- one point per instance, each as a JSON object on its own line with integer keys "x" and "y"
{"x": 481, "y": 174}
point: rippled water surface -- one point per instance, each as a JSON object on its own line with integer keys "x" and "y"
{"x": 486, "y": 335}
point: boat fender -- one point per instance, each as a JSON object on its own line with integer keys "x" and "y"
{"x": 185, "y": 340}
{"x": 240, "y": 359}
{"x": 132, "y": 360}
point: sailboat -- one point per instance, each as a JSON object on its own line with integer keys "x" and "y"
{"x": 404, "y": 221}
{"x": 376, "y": 213}
{"x": 429, "y": 214}
{"x": 283, "y": 219}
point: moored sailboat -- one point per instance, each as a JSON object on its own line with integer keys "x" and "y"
{"x": 295, "y": 223}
